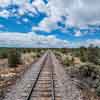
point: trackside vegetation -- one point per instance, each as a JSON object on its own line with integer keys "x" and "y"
{"x": 82, "y": 63}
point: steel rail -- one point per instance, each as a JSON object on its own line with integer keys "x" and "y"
{"x": 52, "y": 80}
{"x": 30, "y": 94}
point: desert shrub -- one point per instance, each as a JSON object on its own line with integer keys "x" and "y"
{"x": 38, "y": 55}
{"x": 68, "y": 62}
{"x": 89, "y": 70}
{"x": 14, "y": 58}
{"x": 98, "y": 90}
{"x": 98, "y": 61}
{"x": 3, "y": 55}
{"x": 58, "y": 55}
{"x": 93, "y": 54}
{"x": 1, "y": 94}
{"x": 83, "y": 54}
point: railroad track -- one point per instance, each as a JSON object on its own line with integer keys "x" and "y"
{"x": 45, "y": 86}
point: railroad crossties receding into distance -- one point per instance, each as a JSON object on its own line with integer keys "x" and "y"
{"x": 44, "y": 80}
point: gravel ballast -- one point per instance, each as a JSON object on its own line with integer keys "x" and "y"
{"x": 68, "y": 88}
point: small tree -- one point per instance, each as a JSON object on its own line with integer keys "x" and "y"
{"x": 13, "y": 58}
{"x": 93, "y": 54}
{"x": 4, "y": 55}
{"x": 83, "y": 54}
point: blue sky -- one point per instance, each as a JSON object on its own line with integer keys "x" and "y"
{"x": 49, "y": 23}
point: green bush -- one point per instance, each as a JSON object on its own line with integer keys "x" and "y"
{"x": 68, "y": 62}
{"x": 14, "y": 58}
{"x": 89, "y": 70}
{"x": 1, "y": 94}
{"x": 93, "y": 54}
{"x": 98, "y": 90}
{"x": 3, "y": 55}
{"x": 38, "y": 55}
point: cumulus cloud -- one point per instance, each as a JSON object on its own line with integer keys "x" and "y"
{"x": 47, "y": 25}
{"x": 86, "y": 43}
{"x": 4, "y": 14}
{"x": 40, "y": 41}
{"x": 79, "y": 13}
{"x": 7, "y": 2}
{"x": 56, "y": 9}
{"x": 34, "y": 40}
{"x": 85, "y": 12}
{"x": 95, "y": 42}
{"x": 40, "y": 5}
{"x": 25, "y": 20}
{"x": 78, "y": 33}
{"x": 31, "y": 40}
{"x": 4, "y": 2}
{"x": 25, "y": 6}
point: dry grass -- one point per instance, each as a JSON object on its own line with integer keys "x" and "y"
{"x": 8, "y": 75}
{"x": 89, "y": 95}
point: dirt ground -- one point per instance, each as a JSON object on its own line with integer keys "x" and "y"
{"x": 9, "y": 75}
{"x": 85, "y": 93}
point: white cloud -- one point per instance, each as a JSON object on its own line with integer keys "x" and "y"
{"x": 85, "y": 12}
{"x": 86, "y": 43}
{"x": 4, "y": 14}
{"x": 79, "y": 13}
{"x": 7, "y": 2}
{"x": 47, "y": 24}
{"x": 35, "y": 40}
{"x": 25, "y": 6}
{"x": 36, "y": 4}
{"x": 40, "y": 5}
{"x": 19, "y": 2}
{"x": 21, "y": 11}
{"x": 1, "y": 26}
{"x": 55, "y": 9}
{"x": 25, "y": 20}
{"x": 4, "y": 2}
{"x": 31, "y": 40}
{"x": 78, "y": 33}
{"x": 95, "y": 42}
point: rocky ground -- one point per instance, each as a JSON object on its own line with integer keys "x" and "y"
{"x": 68, "y": 87}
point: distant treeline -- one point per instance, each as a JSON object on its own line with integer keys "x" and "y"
{"x": 91, "y": 53}
{"x": 4, "y": 51}
{"x": 14, "y": 54}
